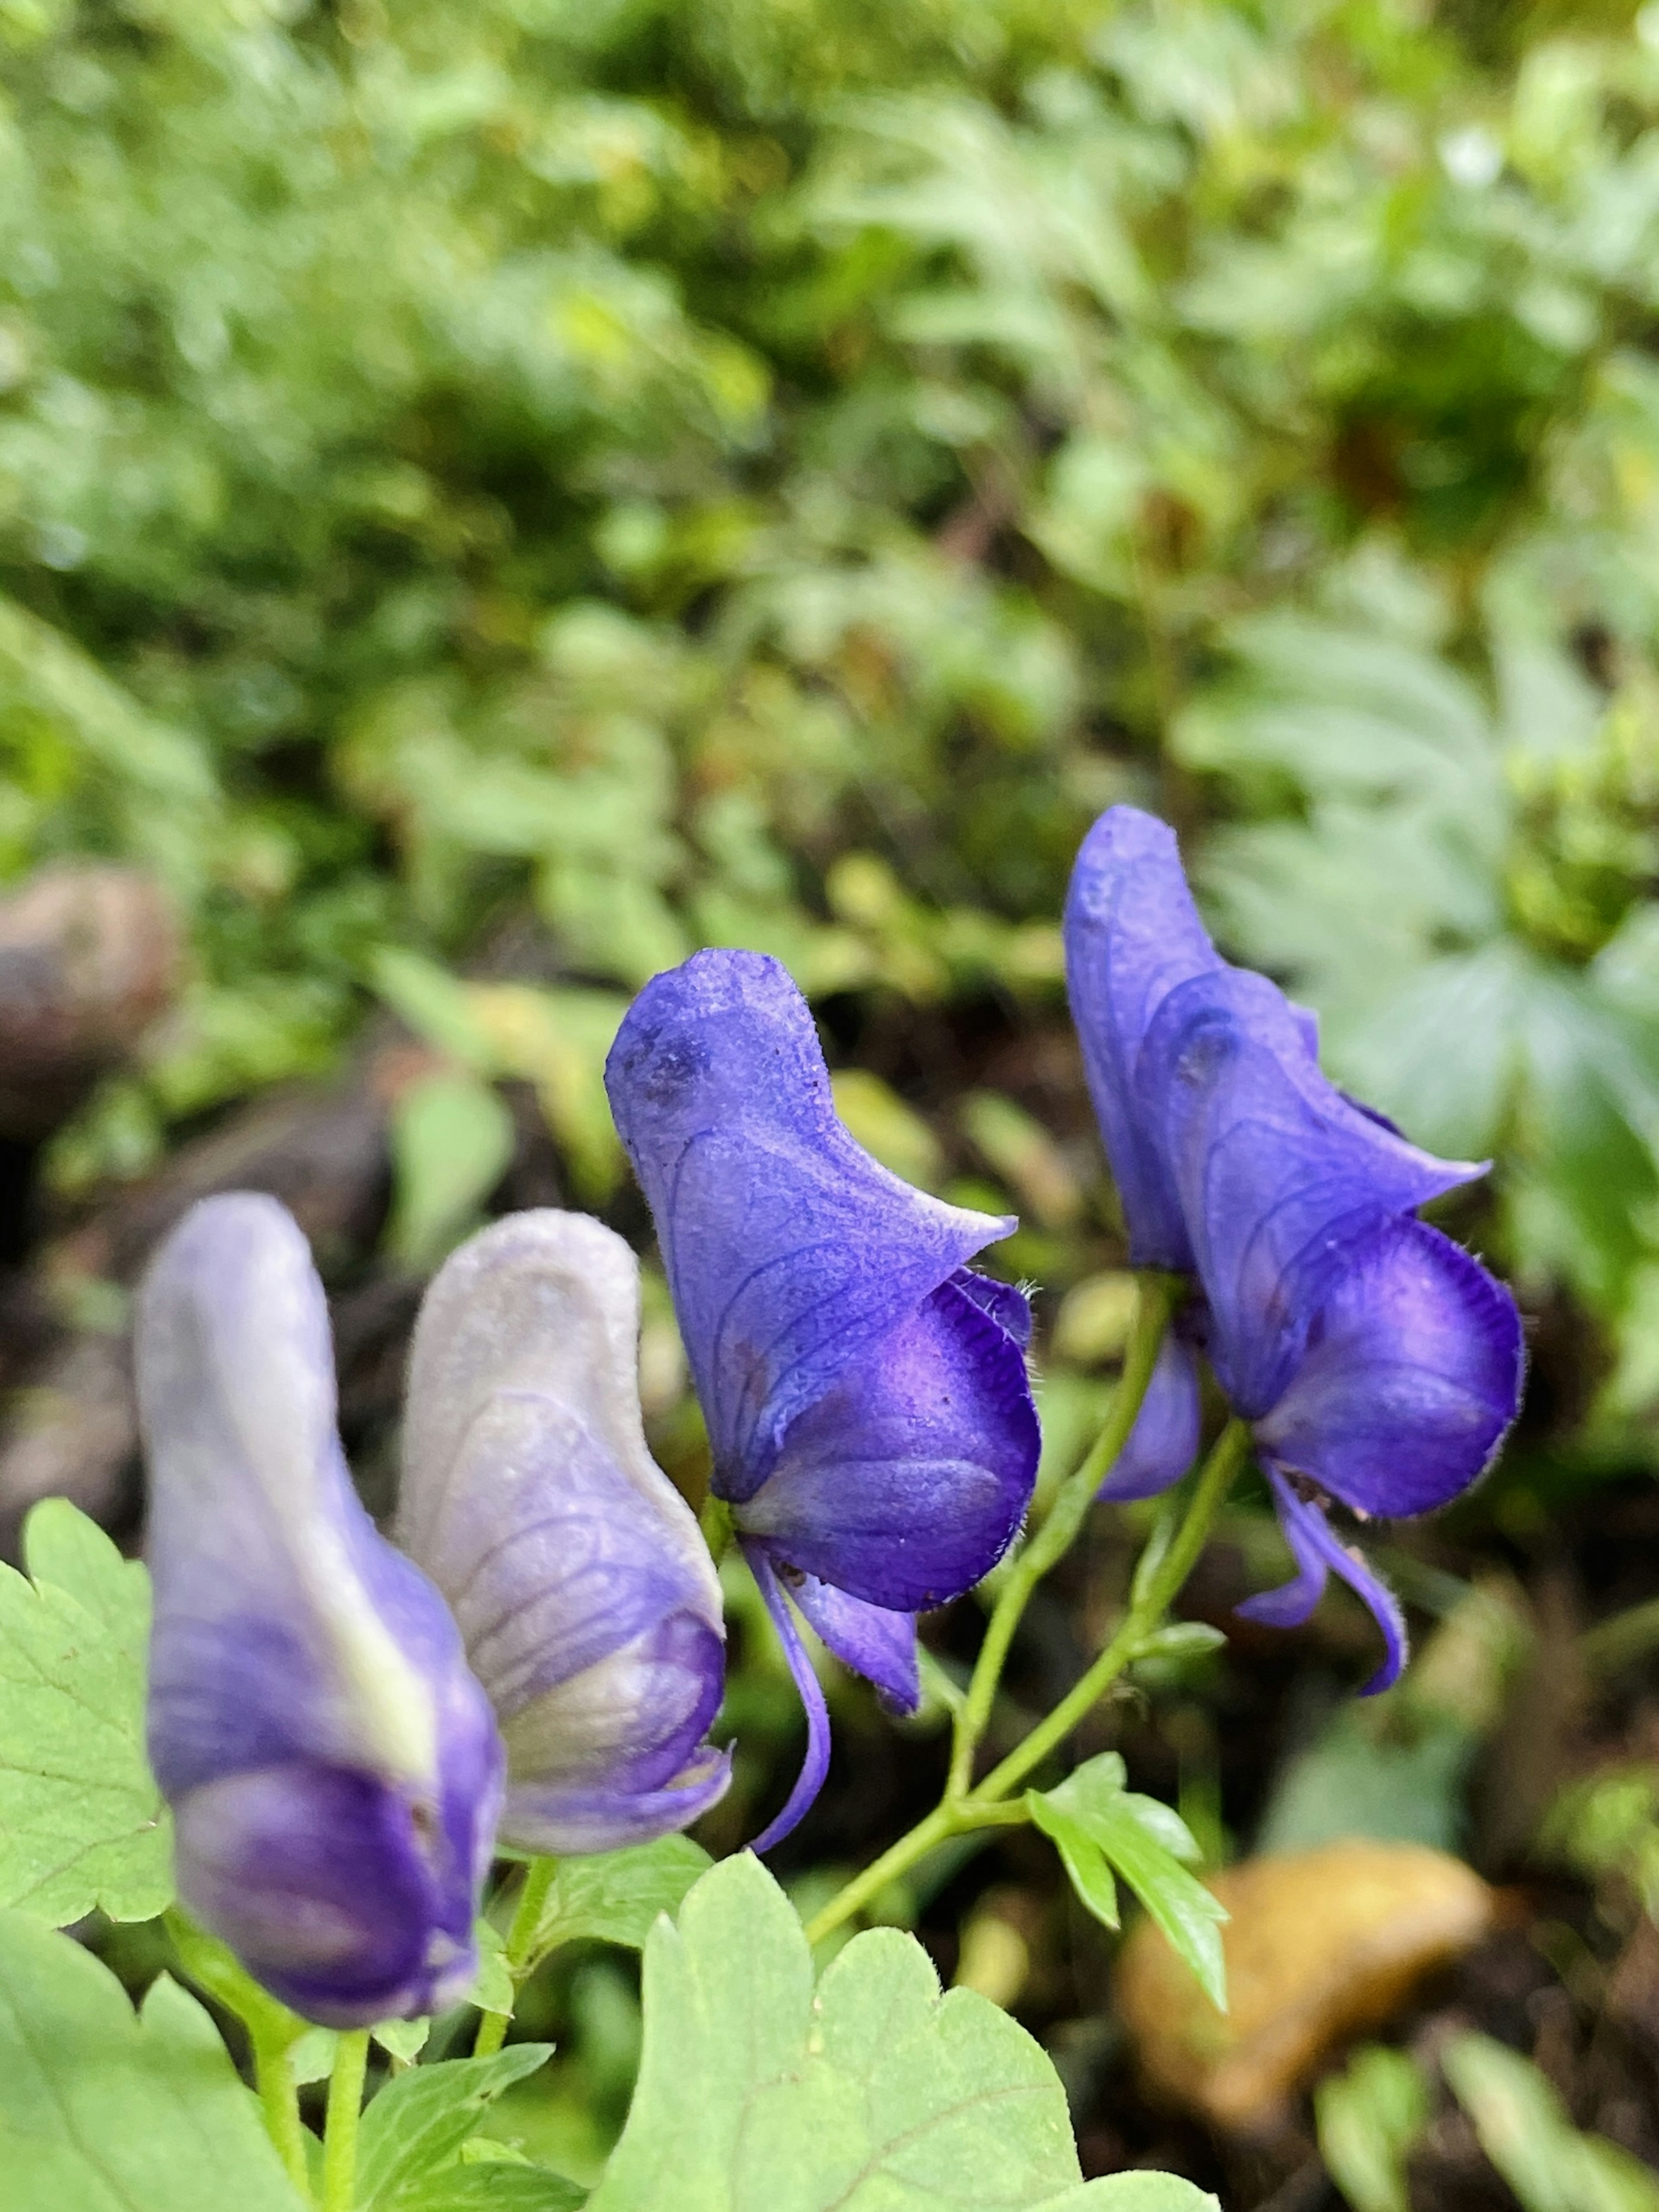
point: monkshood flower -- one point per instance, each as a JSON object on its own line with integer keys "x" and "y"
{"x": 332, "y": 1759}
{"x": 869, "y": 1411}
{"x": 585, "y": 1593}
{"x": 1378, "y": 1363}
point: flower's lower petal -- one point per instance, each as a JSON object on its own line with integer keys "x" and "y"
{"x": 1412, "y": 1374}
{"x": 1132, "y": 935}
{"x": 628, "y": 1727}
{"x": 790, "y": 1252}
{"x": 316, "y": 1878}
{"x": 879, "y": 1644}
{"x": 1164, "y": 1441}
{"x": 1318, "y": 1551}
{"x": 816, "y": 1765}
{"x": 571, "y": 1821}
{"x": 908, "y": 1480}
{"x": 1282, "y": 1181}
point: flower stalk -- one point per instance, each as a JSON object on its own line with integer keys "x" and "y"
{"x": 521, "y": 1959}
{"x": 345, "y": 2105}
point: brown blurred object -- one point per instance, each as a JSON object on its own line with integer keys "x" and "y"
{"x": 1322, "y": 1944}
{"x": 70, "y": 1425}
{"x": 89, "y": 957}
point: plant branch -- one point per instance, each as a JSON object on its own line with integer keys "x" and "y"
{"x": 345, "y": 2105}
{"x": 1155, "y": 1304}
{"x": 279, "y": 2098}
{"x": 539, "y": 1879}
{"x": 1158, "y": 1581}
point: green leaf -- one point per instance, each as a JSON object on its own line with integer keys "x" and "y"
{"x": 493, "y": 1990}
{"x": 419, "y": 2121}
{"x": 1084, "y": 1863}
{"x": 873, "y": 2093}
{"x": 1144, "y": 1841}
{"x": 618, "y": 1896}
{"x": 451, "y": 1138}
{"x": 495, "y": 2187}
{"x": 1133, "y": 2192}
{"x": 1368, "y": 2118}
{"x": 82, "y": 1822}
{"x": 104, "y": 2111}
{"x": 1525, "y": 2132}
{"x": 404, "y": 2039}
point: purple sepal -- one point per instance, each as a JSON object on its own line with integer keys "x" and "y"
{"x": 907, "y": 1479}
{"x": 1317, "y": 1550}
{"x": 879, "y": 1644}
{"x": 586, "y": 1595}
{"x": 312, "y": 1720}
{"x": 1132, "y": 935}
{"x": 816, "y": 1764}
{"x": 790, "y": 1252}
{"x": 1411, "y": 1375}
{"x": 1165, "y": 1440}
{"x": 1281, "y": 1181}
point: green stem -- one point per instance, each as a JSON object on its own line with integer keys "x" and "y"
{"x": 986, "y": 1806}
{"x": 539, "y": 1879}
{"x": 1154, "y": 1305}
{"x": 345, "y": 2105}
{"x": 1144, "y": 1615}
{"x": 279, "y": 2096}
{"x": 1625, "y": 1637}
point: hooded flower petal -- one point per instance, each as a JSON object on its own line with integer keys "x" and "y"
{"x": 1132, "y": 935}
{"x": 333, "y": 1767}
{"x": 1165, "y": 1440}
{"x": 585, "y": 1595}
{"x": 1412, "y": 1374}
{"x": 791, "y": 1253}
{"x": 1281, "y": 1180}
{"x": 1318, "y": 1551}
{"x": 907, "y": 1479}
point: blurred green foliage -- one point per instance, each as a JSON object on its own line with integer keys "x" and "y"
{"x": 770, "y": 474}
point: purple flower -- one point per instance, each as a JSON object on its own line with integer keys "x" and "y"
{"x": 331, "y": 1757}
{"x": 1378, "y": 1363}
{"x": 869, "y": 1412}
{"x": 333, "y": 1767}
{"x": 585, "y": 1594}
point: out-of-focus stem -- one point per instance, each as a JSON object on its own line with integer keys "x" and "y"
{"x": 1155, "y": 1304}
{"x": 279, "y": 2097}
{"x": 345, "y": 2105}
{"x": 539, "y": 1878}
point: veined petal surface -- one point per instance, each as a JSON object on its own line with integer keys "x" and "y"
{"x": 1412, "y": 1374}
{"x": 1132, "y": 934}
{"x": 311, "y": 1717}
{"x": 585, "y": 1593}
{"x": 1281, "y": 1180}
{"x": 907, "y": 1479}
{"x": 789, "y": 1251}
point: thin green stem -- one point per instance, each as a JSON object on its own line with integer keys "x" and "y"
{"x": 1154, "y": 1306}
{"x": 1159, "y": 1580}
{"x": 279, "y": 2096}
{"x": 1623, "y": 1638}
{"x": 539, "y": 1879}
{"x": 1144, "y": 1615}
{"x": 345, "y": 2105}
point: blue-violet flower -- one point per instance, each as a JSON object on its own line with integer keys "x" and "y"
{"x": 1378, "y": 1363}
{"x": 333, "y": 1763}
{"x": 869, "y": 1411}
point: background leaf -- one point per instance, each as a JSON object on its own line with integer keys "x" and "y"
{"x": 82, "y": 1822}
